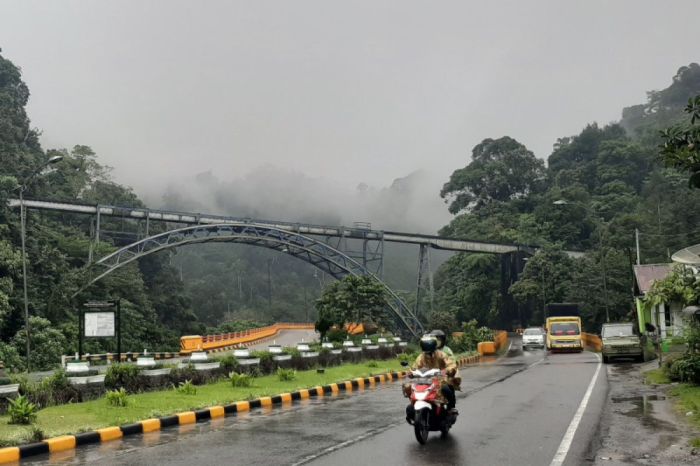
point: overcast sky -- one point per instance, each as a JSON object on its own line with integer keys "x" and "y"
{"x": 354, "y": 91}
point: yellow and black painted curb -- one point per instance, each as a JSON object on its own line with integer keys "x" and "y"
{"x": 69, "y": 442}
{"x": 471, "y": 359}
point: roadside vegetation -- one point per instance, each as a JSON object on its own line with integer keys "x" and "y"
{"x": 683, "y": 368}
{"x": 611, "y": 177}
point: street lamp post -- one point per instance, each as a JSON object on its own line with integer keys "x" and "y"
{"x": 602, "y": 252}
{"x": 23, "y": 233}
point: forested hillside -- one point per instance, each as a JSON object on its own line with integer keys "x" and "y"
{"x": 155, "y": 311}
{"x": 597, "y": 187}
{"x": 593, "y": 191}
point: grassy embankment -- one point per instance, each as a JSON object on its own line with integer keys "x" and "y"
{"x": 687, "y": 398}
{"x": 80, "y": 417}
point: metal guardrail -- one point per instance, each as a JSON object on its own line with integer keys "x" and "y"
{"x": 190, "y": 343}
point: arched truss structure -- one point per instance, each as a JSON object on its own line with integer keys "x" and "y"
{"x": 316, "y": 253}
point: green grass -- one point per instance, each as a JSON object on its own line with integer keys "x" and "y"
{"x": 656, "y": 376}
{"x": 688, "y": 397}
{"x": 91, "y": 415}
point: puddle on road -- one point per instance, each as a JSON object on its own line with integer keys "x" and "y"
{"x": 624, "y": 367}
{"x": 644, "y": 411}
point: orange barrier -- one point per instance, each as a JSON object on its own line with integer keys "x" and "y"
{"x": 500, "y": 339}
{"x": 190, "y": 343}
{"x": 486, "y": 347}
{"x": 491, "y": 347}
{"x": 591, "y": 341}
{"x": 355, "y": 329}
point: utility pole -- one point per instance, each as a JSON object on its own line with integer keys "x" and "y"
{"x": 636, "y": 240}
{"x": 544, "y": 295}
{"x": 603, "y": 267}
{"x": 23, "y": 226}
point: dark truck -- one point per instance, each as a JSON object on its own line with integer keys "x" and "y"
{"x": 620, "y": 340}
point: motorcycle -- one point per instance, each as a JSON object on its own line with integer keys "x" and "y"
{"x": 428, "y": 409}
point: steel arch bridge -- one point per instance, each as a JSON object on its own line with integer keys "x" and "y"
{"x": 319, "y": 254}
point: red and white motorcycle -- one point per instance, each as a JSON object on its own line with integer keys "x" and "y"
{"x": 428, "y": 409}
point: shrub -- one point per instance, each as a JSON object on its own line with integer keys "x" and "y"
{"x": 11, "y": 358}
{"x": 228, "y": 363}
{"x": 124, "y": 376}
{"x": 21, "y": 410}
{"x": 240, "y": 379}
{"x": 117, "y": 398}
{"x": 47, "y": 343}
{"x": 35, "y": 434}
{"x": 187, "y": 388}
{"x": 60, "y": 389}
{"x": 472, "y": 335}
{"x": 267, "y": 363}
{"x": 686, "y": 369}
{"x": 286, "y": 374}
{"x": 23, "y": 381}
{"x": 336, "y": 335}
{"x": 372, "y": 364}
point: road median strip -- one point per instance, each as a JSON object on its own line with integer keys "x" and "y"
{"x": 108, "y": 434}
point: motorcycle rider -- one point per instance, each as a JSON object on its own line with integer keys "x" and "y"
{"x": 456, "y": 381}
{"x": 433, "y": 358}
{"x": 442, "y": 339}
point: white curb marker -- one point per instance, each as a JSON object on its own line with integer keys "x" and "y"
{"x": 565, "y": 444}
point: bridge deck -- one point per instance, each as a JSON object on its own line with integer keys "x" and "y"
{"x": 189, "y": 218}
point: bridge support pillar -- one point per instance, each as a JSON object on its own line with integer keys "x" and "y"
{"x": 425, "y": 274}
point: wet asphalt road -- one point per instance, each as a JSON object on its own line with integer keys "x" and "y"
{"x": 288, "y": 338}
{"x": 514, "y": 410}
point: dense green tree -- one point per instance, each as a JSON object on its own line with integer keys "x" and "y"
{"x": 602, "y": 185}
{"x": 350, "y": 300}
{"x": 663, "y": 108}
{"x": 681, "y": 147}
{"x": 47, "y": 343}
{"x": 501, "y": 170}
{"x": 443, "y": 320}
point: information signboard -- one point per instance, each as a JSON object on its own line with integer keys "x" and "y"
{"x": 99, "y": 324}
{"x": 100, "y": 319}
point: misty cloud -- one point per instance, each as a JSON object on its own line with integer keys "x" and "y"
{"x": 411, "y": 203}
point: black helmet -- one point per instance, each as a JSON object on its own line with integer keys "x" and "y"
{"x": 441, "y": 337}
{"x": 428, "y": 344}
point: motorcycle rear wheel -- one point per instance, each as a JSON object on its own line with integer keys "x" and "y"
{"x": 421, "y": 426}
{"x": 444, "y": 431}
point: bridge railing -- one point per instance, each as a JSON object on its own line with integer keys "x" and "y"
{"x": 190, "y": 343}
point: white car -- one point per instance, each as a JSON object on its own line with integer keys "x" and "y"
{"x": 533, "y": 337}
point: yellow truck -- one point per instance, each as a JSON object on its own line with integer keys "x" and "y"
{"x": 563, "y": 326}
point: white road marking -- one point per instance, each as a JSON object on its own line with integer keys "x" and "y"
{"x": 536, "y": 363}
{"x": 565, "y": 444}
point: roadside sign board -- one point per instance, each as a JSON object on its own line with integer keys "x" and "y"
{"x": 99, "y": 324}
{"x": 100, "y": 319}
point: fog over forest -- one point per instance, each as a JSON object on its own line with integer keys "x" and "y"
{"x": 412, "y": 203}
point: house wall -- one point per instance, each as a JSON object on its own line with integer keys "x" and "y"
{"x": 667, "y": 317}
{"x": 643, "y": 315}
